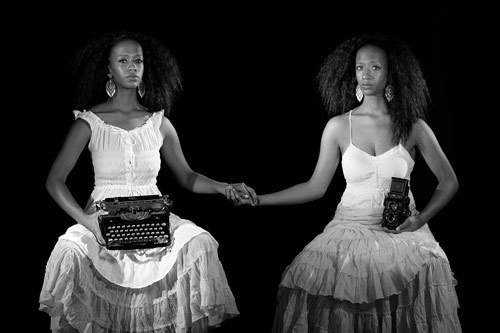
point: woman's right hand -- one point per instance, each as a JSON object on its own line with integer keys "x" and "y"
{"x": 242, "y": 194}
{"x": 91, "y": 222}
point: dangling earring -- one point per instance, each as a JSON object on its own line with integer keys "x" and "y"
{"x": 359, "y": 93}
{"x": 110, "y": 86}
{"x": 389, "y": 93}
{"x": 141, "y": 89}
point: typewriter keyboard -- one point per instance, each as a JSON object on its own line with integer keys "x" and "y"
{"x": 137, "y": 234}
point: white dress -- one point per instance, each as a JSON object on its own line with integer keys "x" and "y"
{"x": 354, "y": 277}
{"x": 170, "y": 289}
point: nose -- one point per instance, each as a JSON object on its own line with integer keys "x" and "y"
{"x": 366, "y": 75}
{"x": 132, "y": 66}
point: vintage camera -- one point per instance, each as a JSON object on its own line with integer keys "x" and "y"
{"x": 396, "y": 204}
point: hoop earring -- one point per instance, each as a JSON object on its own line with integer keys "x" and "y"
{"x": 359, "y": 93}
{"x": 389, "y": 93}
{"x": 141, "y": 89}
{"x": 110, "y": 86}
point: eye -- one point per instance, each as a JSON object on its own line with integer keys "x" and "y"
{"x": 359, "y": 68}
{"x": 138, "y": 61}
{"x": 376, "y": 68}
{"x": 122, "y": 61}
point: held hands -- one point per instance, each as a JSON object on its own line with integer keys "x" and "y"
{"x": 239, "y": 194}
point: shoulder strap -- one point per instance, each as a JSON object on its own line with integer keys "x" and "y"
{"x": 350, "y": 127}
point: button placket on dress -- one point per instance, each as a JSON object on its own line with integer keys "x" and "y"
{"x": 128, "y": 142}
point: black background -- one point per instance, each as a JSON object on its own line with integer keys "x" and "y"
{"x": 249, "y": 112}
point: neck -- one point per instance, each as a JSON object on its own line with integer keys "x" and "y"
{"x": 125, "y": 100}
{"x": 374, "y": 105}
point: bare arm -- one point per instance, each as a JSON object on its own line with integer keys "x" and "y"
{"x": 76, "y": 140}
{"x": 438, "y": 163}
{"x": 187, "y": 178}
{"x": 317, "y": 185}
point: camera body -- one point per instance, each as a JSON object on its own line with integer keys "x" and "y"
{"x": 396, "y": 204}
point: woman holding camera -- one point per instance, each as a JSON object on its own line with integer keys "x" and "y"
{"x": 357, "y": 276}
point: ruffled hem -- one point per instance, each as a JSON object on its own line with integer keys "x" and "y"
{"x": 358, "y": 278}
{"x": 194, "y": 289}
{"x": 200, "y": 326}
{"x": 423, "y": 306}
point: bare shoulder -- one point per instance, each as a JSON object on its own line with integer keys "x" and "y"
{"x": 421, "y": 130}
{"x": 338, "y": 123}
{"x": 166, "y": 127}
{"x": 338, "y": 126}
{"x": 100, "y": 108}
{"x": 422, "y": 135}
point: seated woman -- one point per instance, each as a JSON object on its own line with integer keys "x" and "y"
{"x": 357, "y": 276}
{"x": 128, "y": 81}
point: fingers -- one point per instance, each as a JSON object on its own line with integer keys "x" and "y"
{"x": 407, "y": 224}
{"x": 228, "y": 190}
{"x": 403, "y": 227}
{"x": 240, "y": 193}
{"x": 252, "y": 195}
{"x": 232, "y": 194}
{"x": 390, "y": 231}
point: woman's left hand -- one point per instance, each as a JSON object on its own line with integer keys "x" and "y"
{"x": 412, "y": 223}
{"x": 240, "y": 193}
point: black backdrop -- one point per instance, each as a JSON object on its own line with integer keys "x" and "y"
{"x": 249, "y": 112}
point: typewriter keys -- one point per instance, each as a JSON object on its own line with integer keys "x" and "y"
{"x": 135, "y": 222}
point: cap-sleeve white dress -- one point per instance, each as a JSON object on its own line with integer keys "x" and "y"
{"x": 93, "y": 289}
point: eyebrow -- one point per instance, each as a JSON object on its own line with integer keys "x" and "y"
{"x": 370, "y": 62}
{"x": 129, "y": 55}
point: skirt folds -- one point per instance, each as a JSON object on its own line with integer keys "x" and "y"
{"x": 193, "y": 294}
{"x": 354, "y": 277}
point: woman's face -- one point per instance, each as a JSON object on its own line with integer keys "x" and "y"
{"x": 126, "y": 64}
{"x": 371, "y": 70}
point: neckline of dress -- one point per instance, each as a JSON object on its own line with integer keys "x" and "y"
{"x": 375, "y": 156}
{"x": 118, "y": 127}
{"x": 382, "y": 154}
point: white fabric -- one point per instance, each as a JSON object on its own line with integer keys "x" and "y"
{"x": 126, "y": 163}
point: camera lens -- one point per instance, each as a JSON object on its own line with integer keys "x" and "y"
{"x": 393, "y": 206}
{"x": 390, "y": 217}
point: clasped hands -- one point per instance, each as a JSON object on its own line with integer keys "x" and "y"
{"x": 241, "y": 194}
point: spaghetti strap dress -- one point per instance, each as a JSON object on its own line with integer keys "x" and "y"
{"x": 87, "y": 288}
{"x": 355, "y": 277}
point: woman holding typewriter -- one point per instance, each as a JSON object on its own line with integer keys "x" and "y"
{"x": 126, "y": 84}
{"x": 358, "y": 275}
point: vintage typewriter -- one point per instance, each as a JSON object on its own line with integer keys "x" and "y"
{"x": 135, "y": 222}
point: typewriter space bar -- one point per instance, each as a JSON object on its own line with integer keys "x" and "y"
{"x": 136, "y": 244}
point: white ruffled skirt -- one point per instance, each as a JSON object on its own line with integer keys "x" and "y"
{"x": 354, "y": 277}
{"x": 179, "y": 289}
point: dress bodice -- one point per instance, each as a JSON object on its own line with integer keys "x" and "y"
{"x": 368, "y": 177}
{"x": 126, "y": 162}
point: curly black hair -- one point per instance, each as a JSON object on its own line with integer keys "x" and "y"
{"x": 162, "y": 77}
{"x": 337, "y": 81}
